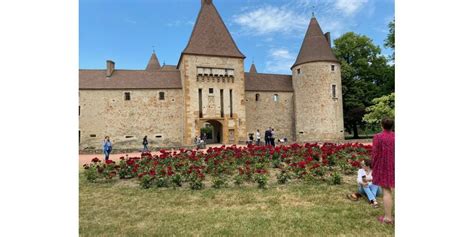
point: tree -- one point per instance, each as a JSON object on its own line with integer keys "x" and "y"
{"x": 365, "y": 75}
{"x": 390, "y": 40}
{"x": 383, "y": 107}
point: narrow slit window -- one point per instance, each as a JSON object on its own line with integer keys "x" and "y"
{"x": 333, "y": 67}
{"x": 211, "y": 90}
{"x": 127, "y": 95}
{"x": 334, "y": 91}
{"x": 93, "y": 135}
{"x": 200, "y": 103}
{"x": 162, "y": 96}
{"x": 257, "y": 97}
{"x": 230, "y": 96}
{"x": 298, "y": 70}
{"x": 222, "y": 103}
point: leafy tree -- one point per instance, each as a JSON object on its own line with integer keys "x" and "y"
{"x": 383, "y": 107}
{"x": 390, "y": 40}
{"x": 365, "y": 75}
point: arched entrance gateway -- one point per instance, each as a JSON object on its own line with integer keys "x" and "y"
{"x": 213, "y": 130}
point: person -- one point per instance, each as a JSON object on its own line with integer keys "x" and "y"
{"x": 251, "y": 138}
{"x": 145, "y": 144}
{"x": 272, "y": 137}
{"x": 383, "y": 160}
{"x": 365, "y": 185}
{"x": 257, "y": 136}
{"x": 107, "y": 147}
{"x": 267, "y": 137}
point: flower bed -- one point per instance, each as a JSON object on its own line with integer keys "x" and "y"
{"x": 237, "y": 165}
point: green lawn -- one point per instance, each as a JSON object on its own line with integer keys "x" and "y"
{"x": 121, "y": 208}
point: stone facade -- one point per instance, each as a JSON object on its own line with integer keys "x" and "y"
{"x": 209, "y": 86}
{"x": 126, "y": 122}
{"x": 268, "y": 112}
{"x": 318, "y": 114}
{"x": 233, "y": 126}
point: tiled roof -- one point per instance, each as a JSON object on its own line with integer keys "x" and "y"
{"x": 315, "y": 47}
{"x": 268, "y": 82}
{"x": 253, "y": 69}
{"x": 210, "y": 36}
{"x": 130, "y": 79}
{"x": 153, "y": 64}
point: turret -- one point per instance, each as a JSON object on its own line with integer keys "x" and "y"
{"x": 317, "y": 89}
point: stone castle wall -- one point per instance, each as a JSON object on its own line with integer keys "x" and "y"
{"x": 233, "y": 128}
{"x": 318, "y": 115}
{"x": 266, "y": 113}
{"x": 106, "y": 113}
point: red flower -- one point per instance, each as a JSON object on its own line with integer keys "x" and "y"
{"x": 109, "y": 162}
{"x": 95, "y": 160}
{"x": 152, "y": 173}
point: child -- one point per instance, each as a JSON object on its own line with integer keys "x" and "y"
{"x": 364, "y": 181}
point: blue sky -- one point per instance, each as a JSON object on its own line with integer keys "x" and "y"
{"x": 268, "y": 32}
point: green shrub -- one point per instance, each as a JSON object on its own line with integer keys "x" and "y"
{"x": 238, "y": 180}
{"x": 146, "y": 181}
{"x": 162, "y": 182}
{"x": 219, "y": 182}
{"x": 261, "y": 180}
{"x": 336, "y": 178}
{"x": 283, "y": 177}
{"x": 90, "y": 171}
{"x": 177, "y": 180}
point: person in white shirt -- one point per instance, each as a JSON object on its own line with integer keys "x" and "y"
{"x": 366, "y": 187}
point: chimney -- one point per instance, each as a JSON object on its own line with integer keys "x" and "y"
{"x": 110, "y": 67}
{"x": 206, "y": 1}
{"x": 328, "y": 38}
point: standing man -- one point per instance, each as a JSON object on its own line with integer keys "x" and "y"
{"x": 145, "y": 144}
{"x": 107, "y": 147}
{"x": 257, "y": 136}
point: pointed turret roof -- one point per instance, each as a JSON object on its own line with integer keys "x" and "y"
{"x": 315, "y": 47}
{"x": 210, "y": 36}
{"x": 253, "y": 69}
{"x": 153, "y": 63}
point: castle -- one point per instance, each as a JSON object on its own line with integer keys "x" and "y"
{"x": 209, "y": 87}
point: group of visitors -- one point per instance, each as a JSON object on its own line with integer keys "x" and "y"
{"x": 107, "y": 146}
{"x": 200, "y": 142}
{"x": 379, "y": 173}
{"x": 269, "y": 137}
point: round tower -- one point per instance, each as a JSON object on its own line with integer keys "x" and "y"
{"x": 317, "y": 89}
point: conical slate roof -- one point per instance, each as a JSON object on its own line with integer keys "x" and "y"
{"x": 253, "y": 69}
{"x": 315, "y": 47}
{"x": 210, "y": 36}
{"x": 153, "y": 63}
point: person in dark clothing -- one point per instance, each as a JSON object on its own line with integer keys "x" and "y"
{"x": 272, "y": 137}
{"x": 145, "y": 144}
{"x": 268, "y": 134}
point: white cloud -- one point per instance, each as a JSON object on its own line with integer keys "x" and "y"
{"x": 270, "y": 19}
{"x": 279, "y": 60}
{"x": 349, "y": 7}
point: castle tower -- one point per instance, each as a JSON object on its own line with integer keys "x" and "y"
{"x": 317, "y": 89}
{"x": 212, "y": 75}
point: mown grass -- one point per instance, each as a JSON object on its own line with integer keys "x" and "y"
{"x": 121, "y": 208}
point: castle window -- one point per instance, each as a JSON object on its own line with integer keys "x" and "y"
{"x": 127, "y": 95}
{"x": 275, "y": 97}
{"x": 162, "y": 95}
{"x": 129, "y": 137}
{"x": 257, "y": 97}
{"x": 200, "y": 102}
{"x": 222, "y": 103}
{"x": 230, "y": 97}
{"x": 298, "y": 70}
{"x": 334, "y": 91}
{"x": 93, "y": 135}
{"x": 211, "y": 90}
{"x": 333, "y": 67}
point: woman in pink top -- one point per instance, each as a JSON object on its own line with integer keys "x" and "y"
{"x": 383, "y": 161}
